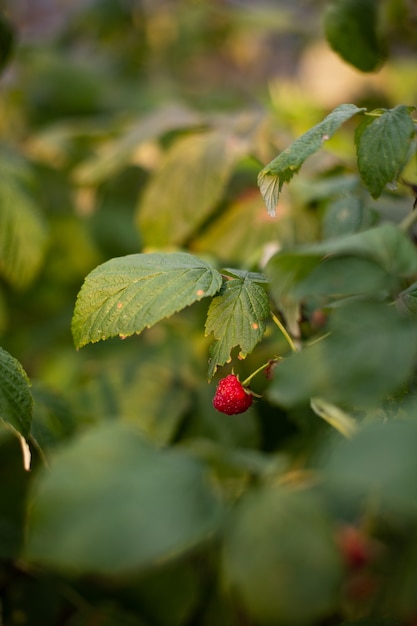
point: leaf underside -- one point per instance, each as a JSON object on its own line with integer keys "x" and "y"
{"x": 186, "y": 188}
{"x": 279, "y": 171}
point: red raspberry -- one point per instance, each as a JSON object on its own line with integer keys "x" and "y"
{"x": 355, "y": 547}
{"x": 231, "y": 397}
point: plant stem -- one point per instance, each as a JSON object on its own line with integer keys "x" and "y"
{"x": 334, "y": 416}
{"x": 408, "y": 221}
{"x": 284, "y": 332}
{"x": 249, "y": 378}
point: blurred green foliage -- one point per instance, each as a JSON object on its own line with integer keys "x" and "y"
{"x": 134, "y": 126}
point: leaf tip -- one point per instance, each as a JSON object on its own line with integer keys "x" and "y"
{"x": 269, "y": 187}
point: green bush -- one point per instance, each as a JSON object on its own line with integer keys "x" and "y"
{"x": 146, "y": 256}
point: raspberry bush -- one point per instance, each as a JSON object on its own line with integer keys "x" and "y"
{"x": 227, "y": 431}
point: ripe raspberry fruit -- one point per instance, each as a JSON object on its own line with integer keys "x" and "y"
{"x": 355, "y": 547}
{"x": 231, "y": 397}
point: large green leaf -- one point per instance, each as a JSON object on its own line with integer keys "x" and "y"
{"x": 383, "y": 144}
{"x": 386, "y": 244}
{"x": 379, "y": 463}
{"x": 186, "y": 188}
{"x": 287, "y": 269}
{"x": 345, "y": 215}
{"x": 53, "y": 421}
{"x": 351, "y": 28}
{"x": 22, "y": 235}
{"x": 15, "y": 397}
{"x": 279, "y": 171}
{"x": 112, "y": 503}
{"x": 367, "y": 262}
{"x": 280, "y": 558}
{"x": 342, "y": 276}
{"x": 127, "y": 294}
{"x": 369, "y": 353}
{"x": 236, "y": 318}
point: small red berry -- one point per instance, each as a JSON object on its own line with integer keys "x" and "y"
{"x": 355, "y": 547}
{"x": 269, "y": 370}
{"x": 231, "y": 397}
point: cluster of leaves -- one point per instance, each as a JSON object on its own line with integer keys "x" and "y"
{"x": 143, "y": 505}
{"x": 125, "y": 295}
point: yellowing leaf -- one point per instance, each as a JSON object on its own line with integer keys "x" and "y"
{"x": 22, "y": 236}
{"x": 186, "y": 188}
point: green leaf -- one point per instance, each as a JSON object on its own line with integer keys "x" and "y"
{"x": 367, "y": 262}
{"x": 379, "y": 463}
{"x": 382, "y": 145}
{"x": 111, "y": 503}
{"x": 369, "y": 353}
{"x": 351, "y": 28}
{"x": 287, "y": 269}
{"x": 387, "y": 245}
{"x": 279, "y": 171}
{"x": 342, "y": 276}
{"x": 343, "y": 216}
{"x": 22, "y": 236}
{"x": 15, "y": 397}
{"x": 186, "y": 188}
{"x": 254, "y": 277}
{"x": 127, "y": 294}
{"x": 408, "y": 298}
{"x": 145, "y": 389}
{"x": 236, "y": 318}
{"x": 280, "y": 558}
{"x": 52, "y": 421}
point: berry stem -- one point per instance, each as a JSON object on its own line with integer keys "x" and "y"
{"x": 284, "y": 332}
{"x": 249, "y": 378}
{"x": 408, "y": 221}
